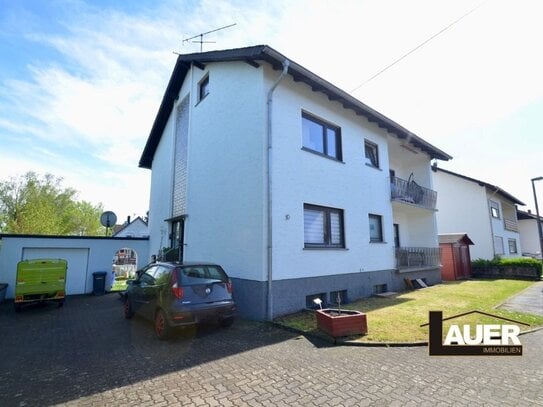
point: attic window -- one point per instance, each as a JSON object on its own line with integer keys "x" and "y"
{"x": 203, "y": 88}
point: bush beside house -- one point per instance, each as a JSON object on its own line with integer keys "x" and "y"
{"x": 523, "y": 268}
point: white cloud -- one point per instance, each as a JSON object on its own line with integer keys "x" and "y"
{"x": 93, "y": 100}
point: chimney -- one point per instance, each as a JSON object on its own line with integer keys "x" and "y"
{"x": 529, "y": 211}
{"x": 128, "y": 220}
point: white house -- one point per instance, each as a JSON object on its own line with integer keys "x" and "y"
{"x": 132, "y": 228}
{"x": 487, "y": 213}
{"x": 269, "y": 170}
{"x": 529, "y": 234}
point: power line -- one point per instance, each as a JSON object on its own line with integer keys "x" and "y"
{"x": 419, "y": 46}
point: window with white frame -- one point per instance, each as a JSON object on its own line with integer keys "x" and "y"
{"x": 321, "y": 137}
{"x": 372, "y": 154}
{"x": 323, "y": 227}
{"x": 495, "y": 209}
{"x": 513, "y": 246}
{"x": 498, "y": 245}
{"x": 376, "y": 228}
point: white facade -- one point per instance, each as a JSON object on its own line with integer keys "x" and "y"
{"x": 483, "y": 212}
{"x": 225, "y": 184}
{"x": 529, "y": 235}
{"x": 136, "y": 228}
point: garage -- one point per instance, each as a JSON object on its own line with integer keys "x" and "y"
{"x": 85, "y": 255}
{"x": 78, "y": 264}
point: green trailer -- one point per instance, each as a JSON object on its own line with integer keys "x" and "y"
{"x": 40, "y": 280}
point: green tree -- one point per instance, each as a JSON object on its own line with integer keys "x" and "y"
{"x": 31, "y": 204}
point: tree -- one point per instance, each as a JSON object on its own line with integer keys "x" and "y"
{"x": 31, "y": 204}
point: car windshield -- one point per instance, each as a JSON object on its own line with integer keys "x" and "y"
{"x": 202, "y": 275}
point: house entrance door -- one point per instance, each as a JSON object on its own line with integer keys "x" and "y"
{"x": 177, "y": 237}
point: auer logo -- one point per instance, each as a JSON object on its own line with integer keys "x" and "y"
{"x": 484, "y": 340}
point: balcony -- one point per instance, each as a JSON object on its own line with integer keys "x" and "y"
{"x": 510, "y": 224}
{"x": 417, "y": 258}
{"x": 410, "y": 192}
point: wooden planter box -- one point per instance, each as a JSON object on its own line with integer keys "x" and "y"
{"x": 345, "y": 324}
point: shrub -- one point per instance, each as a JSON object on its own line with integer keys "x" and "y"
{"x": 512, "y": 262}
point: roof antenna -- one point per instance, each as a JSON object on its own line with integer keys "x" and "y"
{"x": 201, "y": 36}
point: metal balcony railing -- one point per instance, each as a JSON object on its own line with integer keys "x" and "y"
{"x": 171, "y": 255}
{"x": 415, "y": 257}
{"x": 412, "y": 193}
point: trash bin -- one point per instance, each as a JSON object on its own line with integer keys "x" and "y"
{"x": 3, "y": 289}
{"x": 99, "y": 282}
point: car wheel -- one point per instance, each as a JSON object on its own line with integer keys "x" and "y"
{"x": 128, "y": 311}
{"x": 163, "y": 329}
{"x": 226, "y": 322}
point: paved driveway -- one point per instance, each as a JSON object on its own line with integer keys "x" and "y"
{"x": 87, "y": 354}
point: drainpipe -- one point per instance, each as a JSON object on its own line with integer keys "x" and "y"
{"x": 269, "y": 187}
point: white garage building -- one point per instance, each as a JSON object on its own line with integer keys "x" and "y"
{"x": 85, "y": 255}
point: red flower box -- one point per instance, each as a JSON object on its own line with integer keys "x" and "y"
{"x": 341, "y": 324}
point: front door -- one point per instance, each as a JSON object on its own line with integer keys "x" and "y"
{"x": 178, "y": 237}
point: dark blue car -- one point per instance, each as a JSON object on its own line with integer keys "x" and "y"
{"x": 180, "y": 294}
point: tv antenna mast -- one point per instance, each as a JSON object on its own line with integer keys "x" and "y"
{"x": 201, "y": 36}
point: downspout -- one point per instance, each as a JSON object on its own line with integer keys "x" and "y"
{"x": 269, "y": 188}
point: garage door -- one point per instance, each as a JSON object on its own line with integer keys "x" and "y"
{"x": 78, "y": 261}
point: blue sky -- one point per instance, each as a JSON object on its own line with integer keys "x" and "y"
{"x": 81, "y": 81}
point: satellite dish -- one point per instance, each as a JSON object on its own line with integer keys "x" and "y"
{"x": 108, "y": 219}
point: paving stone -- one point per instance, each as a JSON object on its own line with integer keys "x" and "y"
{"x": 87, "y": 354}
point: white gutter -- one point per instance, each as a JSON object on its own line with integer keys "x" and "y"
{"x": 269, "y": 188}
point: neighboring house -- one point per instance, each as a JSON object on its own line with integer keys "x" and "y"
{"x": 529, "y": 234}
{"x": 136, "y": 228}
{"x": 265, "y": 168}
{"x": 487, "y": 213}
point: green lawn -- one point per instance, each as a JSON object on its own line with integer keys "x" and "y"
{"x": 398, "y": 318}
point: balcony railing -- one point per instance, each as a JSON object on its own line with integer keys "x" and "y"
{"x": 510, "y": 224}
{"x": 417, "y": 257}
{"x": 171, "y": 255}
{"x": 412, "y": 193}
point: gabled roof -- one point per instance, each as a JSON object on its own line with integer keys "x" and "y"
{"x": 455, "y": 238}
{"x": 118, "y": 230}
{"x": 495, "y": 188}
{"x": 254, "y": 56}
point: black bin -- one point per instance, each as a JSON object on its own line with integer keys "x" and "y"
{"x": 99, "y": 282}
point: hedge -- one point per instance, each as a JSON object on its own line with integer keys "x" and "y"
{"x": 520, "y": 262}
